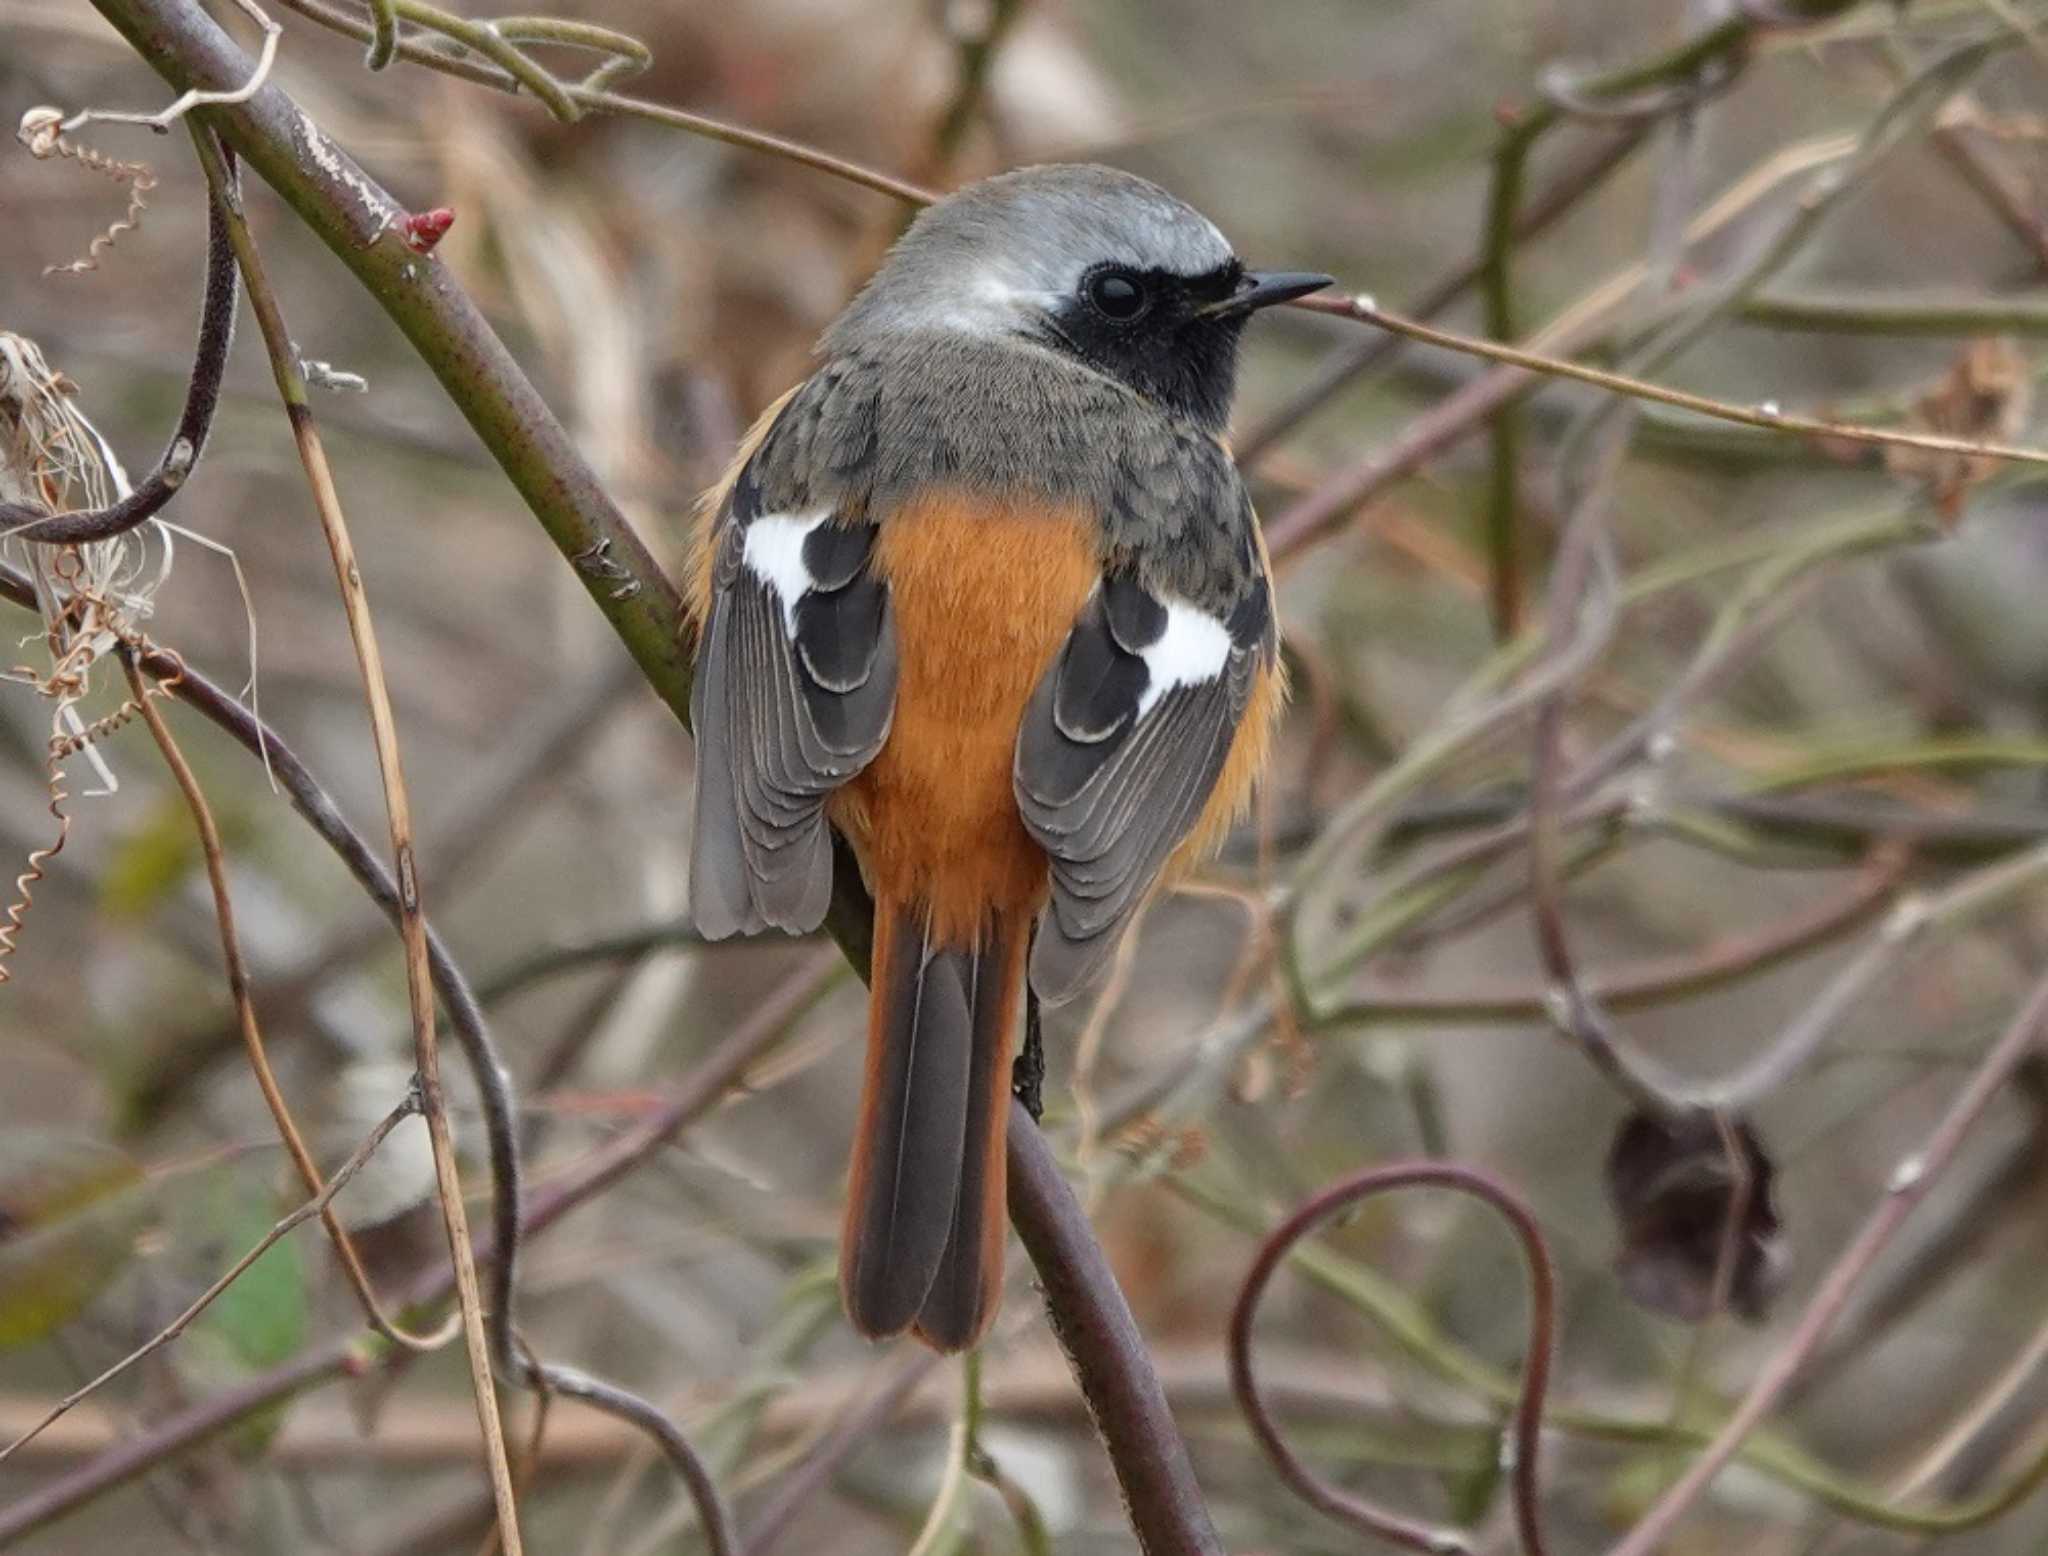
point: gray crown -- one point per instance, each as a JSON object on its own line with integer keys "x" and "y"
{"x": 983, "y": 259}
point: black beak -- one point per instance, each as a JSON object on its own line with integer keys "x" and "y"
{"x": 1263, "y": 288}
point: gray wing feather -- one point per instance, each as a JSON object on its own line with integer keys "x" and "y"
{"x": 1110, "y": 792}
{"x": 781, "y": 723}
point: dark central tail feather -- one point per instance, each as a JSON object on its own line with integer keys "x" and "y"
{"x": 909, "y": 1143}
{"x": 962, "y": 1301}
{"x": 923, "y": 1238}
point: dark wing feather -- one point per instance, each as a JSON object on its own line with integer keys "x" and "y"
{"x": 789, "y": 703}
{"x": 1108, "y": 785}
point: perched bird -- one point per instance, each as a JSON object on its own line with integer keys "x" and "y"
{"x": 986, "y": 594}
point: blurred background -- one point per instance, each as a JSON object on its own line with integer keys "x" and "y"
{"x": 661, "y": 288}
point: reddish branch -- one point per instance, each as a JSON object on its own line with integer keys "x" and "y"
{"x": 1527, "y": 1424}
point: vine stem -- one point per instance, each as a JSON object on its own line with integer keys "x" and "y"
{"x": 1528, "y": 1410}
{"x": 579, "y": 96}
{"x": 241, "y": 988}
{"x": 1765, "y": 415}
{"x": 319, "y": 1205}
{"x": 1910, "y": 1181}
{"x": 291, "y": 388}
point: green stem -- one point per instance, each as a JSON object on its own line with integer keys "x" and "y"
{"x": 1419, "y": 1337}
{"x": 1882, "y": 313}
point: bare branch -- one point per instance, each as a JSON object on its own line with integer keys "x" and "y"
{"x": 1519, "y": 1453}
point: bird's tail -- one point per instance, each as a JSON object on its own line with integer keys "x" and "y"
{"x": 923, "y": 1241}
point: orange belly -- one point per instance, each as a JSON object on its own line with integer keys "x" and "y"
{"x": 983, "y": 595}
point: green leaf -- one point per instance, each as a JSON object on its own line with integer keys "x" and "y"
{"x": 146, "y": 866}
{"x": 69, "y": 1212}
{"x": 1471, "y": 1490}
{"x": 264, "y": 1317}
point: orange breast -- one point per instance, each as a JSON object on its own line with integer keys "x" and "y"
{"x": 983, "y": 595}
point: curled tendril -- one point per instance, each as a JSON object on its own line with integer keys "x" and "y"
{"x": 1527, "y": 1421}
{"x": 41, "y": 132}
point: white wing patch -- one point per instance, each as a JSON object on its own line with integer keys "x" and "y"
{"x": 774, "y": 553}
{"x": 1194, "y": 647}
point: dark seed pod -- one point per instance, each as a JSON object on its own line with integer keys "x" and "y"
{"x": 1673, "y": 1186}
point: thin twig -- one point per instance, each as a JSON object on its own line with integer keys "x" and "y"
{"x": 1909, "y": 1184}
{"x": 628, "y": 1406}
{"x": 853, "y": 1431}
{"x": 1528, "y": 1413}
{"x": 1588, "y": 465}
{"x": 549, "y": 962}
{"x": 291, "y": 386}
{"x": 319, "y": 1205}
{"x": 188, "y": 440}
{"x": 383, "y": 34}
{"x": 1765, "y": 415}
{"x": 240, "y": 987}
{"x": 196, "y": 97}
{"x": 1348, "y": 363}
{"x": 597, "y": 99}
{"x": 978, "y": 35}
{"x": 1652, "y": 982}
{"x": 938, "y": 1519}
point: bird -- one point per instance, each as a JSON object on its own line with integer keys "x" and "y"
{"x": 985, "y": 594}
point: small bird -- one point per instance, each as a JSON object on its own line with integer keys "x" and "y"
{"x": 986, "y": 594}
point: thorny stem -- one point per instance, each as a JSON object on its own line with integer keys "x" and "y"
{"x": 1528, "y": 1412}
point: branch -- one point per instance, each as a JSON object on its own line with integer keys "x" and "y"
{"x": 318, "y": 1205}
{"x": 202, "y": 396}
{"x": 1909, "y": 1184}
{"x": 1765, "y": 415}
{"x": 591, "y": 95}
{"x": 1094, "y": 1326}
{"x": 1528, "y": 1412}
{"x": 412, "y": 924}
{"x": 359, "y": 221}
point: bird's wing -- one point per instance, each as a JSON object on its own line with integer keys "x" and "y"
{"x": 1120, "y": 747}
{"x": 795, "y": 689}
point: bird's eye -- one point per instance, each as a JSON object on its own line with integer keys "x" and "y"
{"x": 1117, "y": 295}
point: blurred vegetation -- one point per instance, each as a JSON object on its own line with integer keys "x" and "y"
{"x": 1830, "y": 672}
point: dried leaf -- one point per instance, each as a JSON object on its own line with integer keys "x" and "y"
{"x": 1986, "y": 395}
{"x": 1673, "y": 1186}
